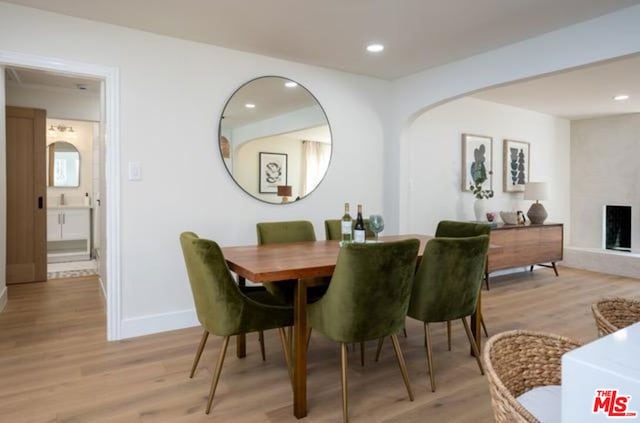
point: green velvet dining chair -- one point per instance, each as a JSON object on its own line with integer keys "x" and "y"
{"x": 367, "y": 299}
{"x": 333, "y": 229}
{"x": 446, "y": 287}
{"x": 281, "y": 233}
{"x": 455, "y": 229}
{"x": 222, "y": 308}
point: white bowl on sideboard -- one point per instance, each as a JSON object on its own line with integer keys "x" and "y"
{"x": 510, "y": 218}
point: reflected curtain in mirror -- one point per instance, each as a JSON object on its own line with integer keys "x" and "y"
{"x": 315, "y": 160}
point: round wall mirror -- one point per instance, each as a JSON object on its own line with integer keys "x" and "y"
{"x": 63, "y": 165}
{"x": 275, "y": 140}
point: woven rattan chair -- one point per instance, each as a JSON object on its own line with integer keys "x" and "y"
{"x": 518, "y": 361}
{"x": 615, "y": 313}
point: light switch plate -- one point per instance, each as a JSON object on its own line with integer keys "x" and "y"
{"x": 135, "y": 171}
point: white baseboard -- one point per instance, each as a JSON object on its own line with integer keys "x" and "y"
{"x": 104, "y": 290}
{"x": 3, "y": 298}
{"x": 154, "y": 323}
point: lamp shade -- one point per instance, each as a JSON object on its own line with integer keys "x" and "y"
{"x": 536, "y": 191}
{"x": 284, "y": 190}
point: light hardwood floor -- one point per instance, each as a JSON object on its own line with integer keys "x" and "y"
{"x": 55, "y": 364}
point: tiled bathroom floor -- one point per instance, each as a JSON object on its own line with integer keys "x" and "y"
{"x": 72, "y": 269}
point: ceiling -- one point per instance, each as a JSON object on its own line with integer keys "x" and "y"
{"x": 580, "y": 94}
{"x": 40, "y": 78}
{"x": 270, "y": 97}
{"x": 418, "y": 34}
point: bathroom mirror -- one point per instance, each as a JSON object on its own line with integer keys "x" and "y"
{"x": 63, "y": 165}
{"x": 275, "y": 140}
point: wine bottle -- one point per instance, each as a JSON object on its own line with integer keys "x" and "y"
{"x": 358, "y": 230}
{"x": 346, "y": 222}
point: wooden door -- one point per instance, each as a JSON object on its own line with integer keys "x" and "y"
{"x": 26, "y": 195}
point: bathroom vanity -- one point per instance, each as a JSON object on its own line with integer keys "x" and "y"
{"x": 68, "y": 233}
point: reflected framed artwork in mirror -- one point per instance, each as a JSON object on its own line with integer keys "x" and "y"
{"x": 274, "y": 133}
{"x": 63, "y": 165}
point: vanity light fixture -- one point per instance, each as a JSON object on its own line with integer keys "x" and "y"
{"x": 375, "y": 48}
{"x": 290, "y": 84}
{"x": 621, "y": 97}
{"x": 250, "y": 106}
{"x": 61, "y": 130}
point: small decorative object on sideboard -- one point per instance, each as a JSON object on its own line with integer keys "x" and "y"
{"x": 491, "y": 216}
{"x": 521, "y": 219}
{"x": 510, "y": 218}
{"x": 536, "y": 191}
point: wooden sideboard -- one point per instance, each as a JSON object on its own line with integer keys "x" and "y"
{"x": 525, "y": 245}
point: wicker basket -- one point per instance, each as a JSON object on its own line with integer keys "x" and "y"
{"x": 518, "y": 361}
{"x": 612, "y": 314}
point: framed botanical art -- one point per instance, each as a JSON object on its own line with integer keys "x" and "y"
{"x": 516, "y": 165}
{"x": 272, "y": 171}
{"x": 477, "y": 161}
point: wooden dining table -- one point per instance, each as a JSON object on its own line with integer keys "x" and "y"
{"x": 301, "y": 261}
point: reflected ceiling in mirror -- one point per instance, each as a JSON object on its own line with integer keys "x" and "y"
{"x": 275, "y": 140}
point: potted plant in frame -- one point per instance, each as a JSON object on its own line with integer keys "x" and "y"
{"x": 479, "y": 176}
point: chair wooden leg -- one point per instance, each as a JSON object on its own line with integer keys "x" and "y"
{"x": 290, "y": 340}
{"x": 261, "y": 340}
{"x": 531, "y": 268}
{"x": 486, "y": 280}
{"x": 555, "y": 269}
{"x": 345, "y": 393}
{"x": 484, "y": 327}
{"x": 286, "y": 351}
{"x": 203, "y": 342}
{"x": 308, "y": 338}
{"x": 449, "y": 334}
{"x": 404, "y": 330}
{"x": 427, "y": 338}
{"x": 216, "y": 373}
{"x": 362, "y": 354}
{"x": 402, "y": 364}
{"x": 472, "y": 341}
{"x": 379, "y": 349}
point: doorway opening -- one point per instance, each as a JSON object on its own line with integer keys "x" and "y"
{"x": 86, "y": 174}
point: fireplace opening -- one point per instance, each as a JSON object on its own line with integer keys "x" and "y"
{"x": 617, "y": 227}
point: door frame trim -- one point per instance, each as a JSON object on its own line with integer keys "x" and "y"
{"x": 111, "y": 104}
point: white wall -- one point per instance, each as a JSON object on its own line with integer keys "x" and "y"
{"x": 605, "y": 157}
{"x": 60, "y": 103}
{"x": 247, "y": 158}
{"x": 436, "y": 160}
{"x": 83, "y": 141}
{"x": 3, "y": 196}
{"x": 171, "y": 95}
{"x": 609, "y": 36}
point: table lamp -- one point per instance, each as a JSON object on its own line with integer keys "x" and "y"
{"x": 536, "y": 191}
{"x": 284, "y": 191}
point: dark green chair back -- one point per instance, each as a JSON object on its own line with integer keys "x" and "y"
{"x": 447, "y": 283}
{"x": 369, "y": 292}
{"x": 283, "y": 232}
{"x": 333, "y": 229}
{"x": 453, "y": 229}
{"x": 221, "y": 307}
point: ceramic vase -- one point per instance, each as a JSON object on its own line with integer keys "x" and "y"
{"x": 479, "y": 209}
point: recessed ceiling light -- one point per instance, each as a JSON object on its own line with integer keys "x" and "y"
{"x": 250, "y": 106}
{"x": 621, "y": 97}
{"x": 290, "y": 84}
{"x": 375, "y": 48}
